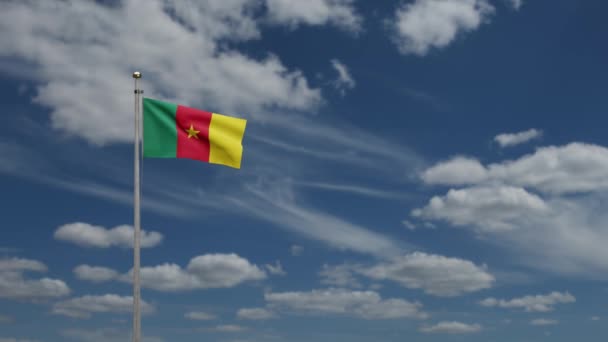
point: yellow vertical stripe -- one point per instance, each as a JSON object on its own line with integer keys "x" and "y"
{"x": 225, "y": 140}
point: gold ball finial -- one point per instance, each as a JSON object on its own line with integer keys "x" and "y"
{"x": 137, "y": 74}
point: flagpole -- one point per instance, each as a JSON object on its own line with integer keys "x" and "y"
{"x": 136, "y": 211}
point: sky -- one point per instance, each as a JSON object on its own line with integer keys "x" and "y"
{"x": 428, "y": 170}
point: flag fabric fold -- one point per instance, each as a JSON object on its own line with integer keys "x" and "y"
{"x": 176, "y": 131}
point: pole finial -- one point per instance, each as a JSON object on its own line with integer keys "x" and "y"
{"x": 137, "y": 74}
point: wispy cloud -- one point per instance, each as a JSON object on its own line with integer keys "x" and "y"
{"x": 512, "y": 139}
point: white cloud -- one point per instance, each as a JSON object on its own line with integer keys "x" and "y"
{"x": 87, "y": 235}
{"x": 13, "y": 284}
{"x": 340, "y": 13}
{"x": 543, "y": 321}
{"x": 78, "y": 50}
{"x": 538, "y": 303}
{"x": 567, "y": 237}
{"x": 339, "y": 275}
{"x": 199, "y": 316}
{"x": 595, "y": 318}
{"x": 426, "y": 24}
{"x": 452, "y": 328}
{"x": 275, "y": 269}
{"x": 83, "y": 307}
{"x": 573, "y": 168}
{"x": 435, "y": 274}
{"x": 512, "y": 139}
{"x": 409, "y": 225}
{"x": 516, "y": 3}
{"x": 104, "y": 335}
{"x": 345, "y": 80}
{"x": 19, "y": 264}
{"x": 457, "y": 171}
{"x": 95, "y": 274}
{"x": 202, "y": 272}
{"x": 228, "y": 328}
{"x": 492, "y": 208}
{"x": 279, "y": 207}
{"x": 296, "y": 250}
{"x": 362, "y": 304}
{"x": 255, "y": 314}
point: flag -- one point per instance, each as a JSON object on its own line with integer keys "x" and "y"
{"x": 175, "y": 131}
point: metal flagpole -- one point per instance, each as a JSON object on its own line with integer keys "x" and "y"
{"x": 136, "y": 211}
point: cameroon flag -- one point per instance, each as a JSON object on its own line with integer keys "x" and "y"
{"x": 175, "y": 131}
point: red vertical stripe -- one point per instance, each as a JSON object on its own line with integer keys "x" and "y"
{"x": 196, "y": 146}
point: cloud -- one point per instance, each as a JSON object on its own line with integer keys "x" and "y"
{"x": 14, "y": 285}
{"x": 6, "y": 319}
{"x": 543, "y": 321}
{"x": 457, "y": 171}
{"x": 85, "y": 306}
{"x": 516, "y": 3}
{"x": 296, "y": 250}
{"x": 280, "y": 208}
{"x": 199, "y": 316}
{"x": 345, "y": 80}
{"x": 79, "y": 49}
{"x": 19, "y": 264}
{"x": 340, "y": 13}
{"x": 538, "y": 303}
{"x": 228, "y": 328}
{"x": 275, "y": 269}
{"x": 203, "y": 272}
{"x": 340, "y": 276}
{"x": 426, "y": 24}
{"x": 452, "y": 328}
{"x": 87, "y": 235}
{"x": 104, "y": 335}
{"x": 512, "y": 139}
{"x": 12, "y": 339}
{"x": 255, "y": 314}
{"x": 95, "y": 274}
{"x": 491, "y": 208}
{"x": 362, "y": 304}
{"x": 573, "y": 168}
{"x": 435, "y": 274}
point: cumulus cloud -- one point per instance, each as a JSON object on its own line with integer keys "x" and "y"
{"x": 345, "y": 80}
{"x": 339, "y": 276}
{"x": 83, "y": 54}
{"x": 202, "y": 272}
{"x": 14, "y": 284}
{"x": 362, "y": 304}
{"x": 452, "y": 328}
{"x": 200, "y": 316}
{"x": 340, "y": 13}
{"x": 550, "y": 198}
{"x": 85, "y": 306}
{"x": 543, "y": 321}
{"x": 457, "y": 171}
{"x": 512, "y": 139}
{"x": 435, "y": 274}
{"x": 255, "y": 314}
{"x": 537, "y": 303}
{"x": 88, "y": 235}
{"x": 426, "y": 24}
{"x": 95, "y": 274}
{"x": 573, "y": 168}
{"x": 491, "y": 208}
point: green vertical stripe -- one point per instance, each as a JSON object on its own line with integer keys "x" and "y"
{"x": 160, "y": 134}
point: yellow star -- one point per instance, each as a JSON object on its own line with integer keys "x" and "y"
{"x": 192, "y": 132}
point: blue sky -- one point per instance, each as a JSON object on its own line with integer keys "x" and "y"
{"x": 430, "y": 170}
